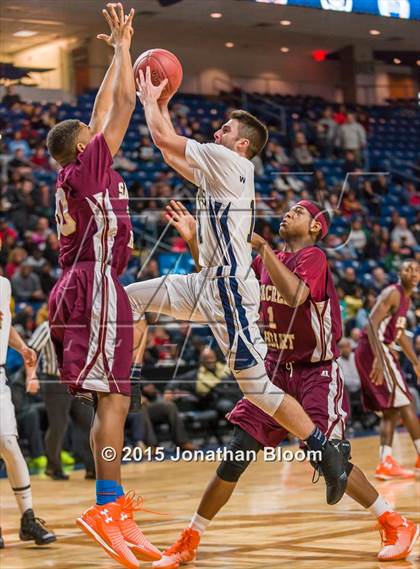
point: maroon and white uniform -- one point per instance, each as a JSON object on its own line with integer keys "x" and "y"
{"x": 394, "y": 391}
{"x": 302, "y": 349}
{"x": 89, "y": 311}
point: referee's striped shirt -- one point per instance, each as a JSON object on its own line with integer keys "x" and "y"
{"x": 41, "y": 342}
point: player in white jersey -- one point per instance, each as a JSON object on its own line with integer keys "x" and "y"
{"x": 31, "y": 528}
{"x": 225, "y": 293}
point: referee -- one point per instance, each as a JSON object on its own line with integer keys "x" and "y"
{"x": 60, "y": 405}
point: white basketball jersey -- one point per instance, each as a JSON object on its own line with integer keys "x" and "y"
{"x": 225, "y": 204}
{"x": 5, "y": 317}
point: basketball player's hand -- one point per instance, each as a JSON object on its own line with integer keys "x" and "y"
{"x": 29, "y": 356}
{"x": 120, "y": 25}
{"x": 257, "y": 242}
{"x": 178, "y": 215}
{"x": 377, "y": 372}
{"x": 146, "y": 91}
{"x": 32, "y": 385}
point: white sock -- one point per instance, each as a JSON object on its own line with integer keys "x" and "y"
{"x": 384, "y": 451}
{"x": 379, "y": 507}
{"x": 417, "y": 445}
{"x": 199, "y": 523}
{"x": 17, "y": 471}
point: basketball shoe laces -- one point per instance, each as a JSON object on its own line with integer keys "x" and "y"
{"x": 131, "y": 503}
{"x": 188, "y": 541}
{"x": 36, "y": 527}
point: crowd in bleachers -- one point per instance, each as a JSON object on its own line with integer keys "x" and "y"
{"x": 362, "y": 164}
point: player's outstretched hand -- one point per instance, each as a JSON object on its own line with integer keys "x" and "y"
{"x": 178, "y": 215}
{"x": 377, "y": 372}
{"x": 146, "y": 91}
{"x": 120, "y": 25}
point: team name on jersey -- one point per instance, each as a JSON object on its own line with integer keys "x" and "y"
{"x": 271, "y": 294}
{"x": 279, "y": 341}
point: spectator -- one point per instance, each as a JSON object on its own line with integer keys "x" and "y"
{"x": 340, "y": 116}
{"x": 41, "y": 232}
{"x": 326, "y": 133}
{"x": 19, "y": 143}
{"x": 121, "y": 162}
{"x": 26, "y": 285}
{"x": 40, "y": 159}
{"x": 351, "y": 204}
{"x": 348, "y": 366}
{"x": 379, "y": 279}
{"x": 352, "y": 136}
{"x": 363, "y": 313}
{"x": 358, "y": 236}
{"x": 16, "y": 258}
{"x": 301, "y": 153}
{"x": 394, "y": 258}
{"x": 348, "y": 283}
{"x": 162, "y": 409}
{"x": 401, "y": 232}
{"x": 10, "y": 99}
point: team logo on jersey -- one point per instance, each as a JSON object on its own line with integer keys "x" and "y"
{"x": 325, "y": 373}
{"x": 394, "y": 8}
{"x": 242, "y": 179}
{"x": 337, "y": 5}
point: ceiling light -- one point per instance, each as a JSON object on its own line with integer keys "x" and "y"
{"x": 25, "y": 34}
{"x": 374, "y": 32}
{"x": 284, "y": 49}
{"x": 396, "y": 61}
{"x": 229, "y": 44}
{"x": 216, "y": 15}
{"x": 285, "y": 22}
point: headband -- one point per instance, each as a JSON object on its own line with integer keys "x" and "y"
{"x": 317, "y": 214}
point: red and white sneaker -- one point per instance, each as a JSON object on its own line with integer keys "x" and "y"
{"x": 134, "y": 537}
{"x": 390, "y": 469}
{"x": 183, "y": 551}
{"x": 398, "y": 536}
{"x": 101, "y": 523}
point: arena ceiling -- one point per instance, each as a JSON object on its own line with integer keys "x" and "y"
{"x": 247, "y": 24}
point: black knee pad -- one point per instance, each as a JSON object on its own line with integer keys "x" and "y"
{"x": 241, "y": 451}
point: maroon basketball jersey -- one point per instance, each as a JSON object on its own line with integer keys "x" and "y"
{"x": 92, "y": 214}
{"x": 307, "y": 333}
{"x": 391, "y": 327}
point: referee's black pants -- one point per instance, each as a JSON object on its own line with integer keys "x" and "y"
{"x": 61, "y": 407}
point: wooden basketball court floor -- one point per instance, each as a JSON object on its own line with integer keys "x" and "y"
{"x": 276, "y": 519}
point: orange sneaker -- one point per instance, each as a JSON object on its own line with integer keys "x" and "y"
{"x": 389, "y": 469}
{"x": 134, "y": 537}
{"x": 181, "y": 552}
{"x": 398, "y": 536}
{"x": 417, "y": 467}
{"x": 101, "y": 523}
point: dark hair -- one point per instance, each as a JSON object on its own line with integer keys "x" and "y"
{"x": 61, "y": 141}
{"x": 252, "y": 129}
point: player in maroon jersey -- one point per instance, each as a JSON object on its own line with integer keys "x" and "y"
{"x": 90, "y": 315}
{"x": 302, "y": 327}
{"x": 383, "y": 384}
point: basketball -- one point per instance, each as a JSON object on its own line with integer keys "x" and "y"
{"x": 163, "y": 65}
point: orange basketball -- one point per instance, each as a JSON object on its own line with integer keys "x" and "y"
{"x": 163, "y": 64}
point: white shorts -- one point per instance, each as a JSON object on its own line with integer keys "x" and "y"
{"x": 228, "y": 305}
{"x": 8, "y": 425}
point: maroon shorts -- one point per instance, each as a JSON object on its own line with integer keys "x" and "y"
{"x": 393, "y": 392}
{"x": 319, "y": 388}
{"x": 92, "y": 329}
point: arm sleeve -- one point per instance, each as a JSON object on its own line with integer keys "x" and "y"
{"x": 94, "y": 166}
{"x": 40, "y": 337}
{"x": 312, "y": 269}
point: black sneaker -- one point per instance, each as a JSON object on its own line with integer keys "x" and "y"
{"x": 32, "y": 528}
{"x": 333, "y": 466}
{"x": 56, "y": 474}
{"x": 1, "y": 541}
